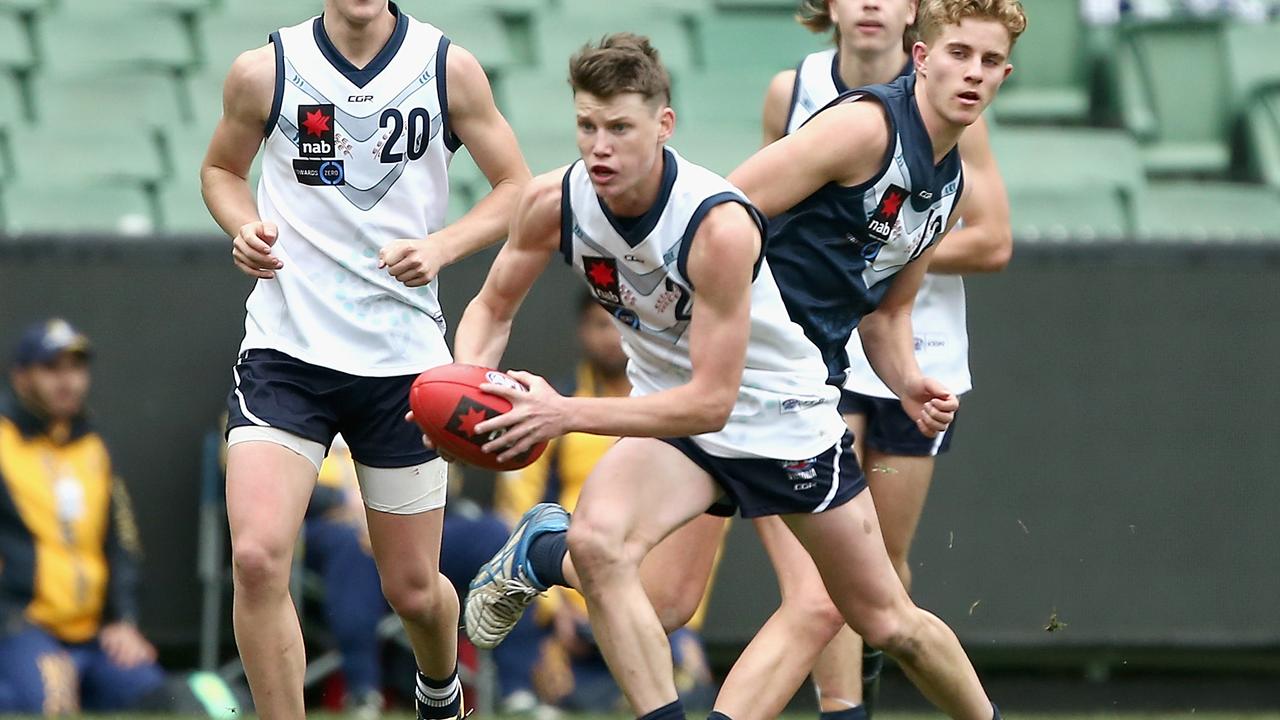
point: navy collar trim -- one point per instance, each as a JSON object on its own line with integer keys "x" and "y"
{"x": 841, "y": 87}
{"x": 635, "y": 232}
{"x": 361, "y": 76}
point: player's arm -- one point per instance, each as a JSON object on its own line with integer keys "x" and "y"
{"x": 224, "y": 175}
{"x": 721, "y": 261}
{"x": 985, "y": 242}
{"x": 482, "y": 334}
{"x": 777, "y": 101}
{"x": 475, "y": 119}
{"x": 889, "y": 344}
{"x": 779, "y": 176}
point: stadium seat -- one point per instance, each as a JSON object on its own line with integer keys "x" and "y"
{"x": 1251, "y": 54}
{"x": 224, "y": 35}
{"x": 72, "y": 43}
{"x": 1049, "y": 82}
{"x": 778, "y": 5}
{"x": 181, "y": 209}
{"x": 537, "y": 100}
{"x": 757, "y": 43}
{"x": 124, "y": 100}
{"x": 1262, "y": 128}
{"x": 721, "y": 99}
{"x": 24, "y": 5}
{"x": 88, "y": 155}
{"x": 1161, "y": 68}
{"x": 719, "y": 149}
{"x": 15, "y": 44}
{"x": 558, "y": 35}
{"x": 1067, "y": 182}
{"x": 548, "y": 149}
{"x": 12, "y": 105}
{"x": 687, "y": 8}
{"x": 97, "y": 207}
{"x": 1207, "y": 211}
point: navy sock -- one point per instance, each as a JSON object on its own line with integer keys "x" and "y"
{"x": 857, "y": 712}
{"x": 438, "y": 699}
{"x": 872, "y": 664}
{"x": 671, "y": 711}
{"x": 995, "y": 712}
{"x": 545, "y": 558}
{"x": 717, "y": 715}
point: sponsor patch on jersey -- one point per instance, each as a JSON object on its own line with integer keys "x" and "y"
{"x": 882, "y": 222}
{"x": 602, "y": 276}
{"x": 795, "y": 405}
{"x": 320, "y": 172}
{"x": 466, "y": 416}
{"x": 315, "y": 131}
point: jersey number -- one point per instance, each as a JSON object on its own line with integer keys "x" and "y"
{"x": 417, "y": 138}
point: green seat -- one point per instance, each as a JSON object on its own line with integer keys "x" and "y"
{"x": 686, "y": 8}
{"x": 1208, "y": 211}
{"x": 778, "y": 5}
{"x": 72, "y": 43}
{"x": 75, "y": 208}
{"x": 1262, "y": 128}
{"x": 15, "y": 44}
{"x": 1252, "y": 60}
{"x": 1042, "y": 214}
{"x": 24, "y": 5}
{"x": 478, "y": 30}
{"x": 722, "y": 99}
{"x": 86, "y": 155}
{"x": 756, "y": 44}
{"x": 717, "y": 148}
{"x": 121, "y": 100}
{"x": 538, "y": 100}
{"x": 558, "y": 35}
{"x": 545, "y": 150}
{"x": 12, "y": 104}
{"x": 224, "y": 35}
{"x": 182, "y": 210}
{"x": 1050, "y": 78}
{"x": 1175, "y": 96}
{"x": 1067, "y": 182}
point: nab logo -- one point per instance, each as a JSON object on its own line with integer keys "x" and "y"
{"x": 602, "y": 276}
{"x": 315, "y": 131}
{"x": 880, "y": 226}
{"x": 359, "y": 98}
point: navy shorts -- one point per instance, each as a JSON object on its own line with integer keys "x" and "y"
{"x": 315, "y": 403}
{"x": 756, "y": 487}
{"x": 889, "y": 430}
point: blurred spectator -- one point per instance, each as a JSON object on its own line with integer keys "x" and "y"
{"x": 573, "y": 673}
{"x": 68, "y": 545}
{"x": 336, "y": 537}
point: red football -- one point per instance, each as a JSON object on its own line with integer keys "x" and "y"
{"x": 447, "y": 404}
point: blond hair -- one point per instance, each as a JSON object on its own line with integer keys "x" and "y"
{"x": 620, "y": 63}
{"x": 814, "y": 15}
{"x": 933, "y": 15}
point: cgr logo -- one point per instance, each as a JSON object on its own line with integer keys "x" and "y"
{"x": 315, "y": 131}
{"x": 359, "y": 98}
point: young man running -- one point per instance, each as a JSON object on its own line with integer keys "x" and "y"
{"x": 897, "y": 458}
{"x": 361, "y": 109}
{"x": 628, "y": 507}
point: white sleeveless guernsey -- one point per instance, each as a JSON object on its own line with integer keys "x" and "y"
{"x": 785, "y": 409}
{"x": 354, "y": 159}
{"x": 938, "y": 318}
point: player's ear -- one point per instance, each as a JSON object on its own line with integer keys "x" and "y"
{"x": 919, "y": 52}
{"x": 912, "y": 8}
{"x": 666, "y": 123}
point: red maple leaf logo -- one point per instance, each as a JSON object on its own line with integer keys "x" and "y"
{"x": 316, "y": 123}
{"x": 601, "y": 274}
{"x": 467, "y": 421}
{"x": 892, "y": 202}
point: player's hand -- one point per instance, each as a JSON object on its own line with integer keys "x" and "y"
{"x": 412, "y": 262}
{"x": 125, "y": 646}
{"x": 931, "y": 405}
{"x": 426, "y": 441}
{"x": 251, "y": 250}
{"x": 536, "y": 415}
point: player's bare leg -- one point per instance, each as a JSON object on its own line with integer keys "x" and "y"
{"x": 777, "y": 661}
{"x": 268, "y": 490}
{"x": 641, "y": 491}
{"x": 849, "y": 551}
{"x": 899, "y": 484}
{"x": 407, "y": 551}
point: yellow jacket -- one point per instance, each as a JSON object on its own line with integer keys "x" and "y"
{"x": 68, "y": 541}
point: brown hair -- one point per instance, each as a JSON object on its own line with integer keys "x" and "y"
{"x": 933, "y": 15}
{"x": 620, "y": 63}
{"x": 814, "y": 15}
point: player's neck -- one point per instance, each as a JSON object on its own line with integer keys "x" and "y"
{"x": 359, "y": 44}
{"x": 858, "y": 70}
{"x": 943, "y": 133}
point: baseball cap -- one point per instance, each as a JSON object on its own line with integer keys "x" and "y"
{"x": 43, "y": 341}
